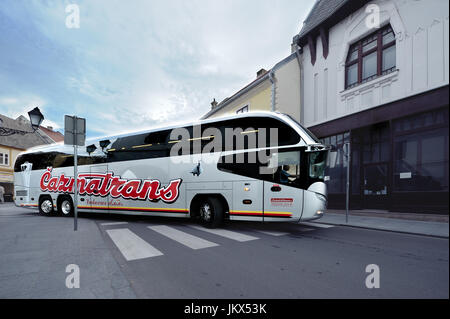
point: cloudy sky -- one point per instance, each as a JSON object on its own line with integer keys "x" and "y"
{"x": 137, "y": 64}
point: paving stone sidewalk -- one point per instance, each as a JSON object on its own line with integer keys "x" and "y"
{"x": 421, "y": 224}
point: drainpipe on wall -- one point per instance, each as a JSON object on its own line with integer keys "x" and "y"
{"x": 272, "y": 80}
{"x": 297, "y": 53}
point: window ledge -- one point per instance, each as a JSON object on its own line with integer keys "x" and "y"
{"x": 390, "y": 77}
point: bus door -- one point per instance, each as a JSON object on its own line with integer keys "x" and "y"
{"x": 283, "y": 197}
{"x": 247, "y": 186}
{"x": 247, "y": 200}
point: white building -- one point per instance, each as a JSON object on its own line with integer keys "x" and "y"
{"x": 376, "y": 73}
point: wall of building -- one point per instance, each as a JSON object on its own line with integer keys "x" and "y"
{"x": 257, "y": 99}
{"x": 7, "y": 171}
{"x": 287, "y": 88}
{"x": 422, "y": 60}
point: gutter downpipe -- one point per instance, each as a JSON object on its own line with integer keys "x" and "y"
{"x": 272, "y": 80}
{"x": 297, "y": 53}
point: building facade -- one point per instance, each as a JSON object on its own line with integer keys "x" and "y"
{"x": 275, "y": 90}
{"x": 16, "y": 135}
{"x": 375, "y": 74}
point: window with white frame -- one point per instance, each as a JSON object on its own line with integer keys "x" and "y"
{"x": 242, "y": 109}
{"x": 4, "y": 158}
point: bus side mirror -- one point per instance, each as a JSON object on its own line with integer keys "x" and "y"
{"x": 333, "y": 148}
{"x": 104, "y": 143}
{"x": 91, "y": 148}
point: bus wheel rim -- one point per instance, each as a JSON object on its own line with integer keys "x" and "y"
{"x": 65, "y": 207}
{"x": 205, "y": 211}
{"x": 46, "y": 206}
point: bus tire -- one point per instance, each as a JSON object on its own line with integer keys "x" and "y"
{"x": 211, "y": 212}
{"x": 46, "y": 205}
{"x": 65, "y": 206}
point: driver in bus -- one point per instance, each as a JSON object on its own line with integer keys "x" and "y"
{"x": 284, "y": 175}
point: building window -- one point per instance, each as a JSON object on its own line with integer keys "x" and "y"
{"x": 421, "y": 146}
{"x": 370, "y": 57}
{"x": 242, "y": 110}
{"x": 4, "y": 159}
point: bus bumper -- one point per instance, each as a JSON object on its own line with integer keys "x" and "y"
{"x": 22, "y": 198}
{"x": 314, "y": 202}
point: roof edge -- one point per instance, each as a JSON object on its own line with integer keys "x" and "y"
{"x": 341, "y": 12}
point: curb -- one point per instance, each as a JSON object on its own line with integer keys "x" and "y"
{"x": 387, "y": 230}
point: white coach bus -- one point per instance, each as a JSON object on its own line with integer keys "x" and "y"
{"x": 145, "y": 173}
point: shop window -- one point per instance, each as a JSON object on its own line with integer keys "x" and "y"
{"x": 421, "y": 161}
{"x": 336, "y": 164}
{"x": 375, "y": 144}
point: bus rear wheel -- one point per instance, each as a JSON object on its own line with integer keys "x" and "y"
{"x": 45, "y": 206}
{"x": 211, "y": 212}
{"x": 65, "y": 206}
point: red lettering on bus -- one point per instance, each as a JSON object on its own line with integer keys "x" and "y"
{"x": 115, "y": 186}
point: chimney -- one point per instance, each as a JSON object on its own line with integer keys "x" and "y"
{"x": 261, "y": 72}
{"x": 213, "y": 104}
{"x": 22, "y": 120}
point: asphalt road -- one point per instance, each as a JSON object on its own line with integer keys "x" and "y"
{"x": 145, "y": 257}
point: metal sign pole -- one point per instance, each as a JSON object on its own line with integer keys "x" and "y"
{"x": 75, "y": 135}
{"x": 75, "y": 172}
{"x": 347, "y": 195}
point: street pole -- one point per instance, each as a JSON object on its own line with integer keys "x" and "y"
{"x": 75, "y": 135}
{"x": 75, "y": 172}
{"x": 347, "y": 190}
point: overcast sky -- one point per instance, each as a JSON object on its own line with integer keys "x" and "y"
{"x": 137, "y": 64}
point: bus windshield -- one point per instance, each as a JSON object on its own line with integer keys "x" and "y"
{"x": 317, "y": 162}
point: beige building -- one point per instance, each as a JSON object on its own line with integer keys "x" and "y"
{"x": 16, "y": 135}
{"x": 276, "y": 90}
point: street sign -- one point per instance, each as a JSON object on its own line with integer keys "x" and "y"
{"x": 75, "y": 134}
{"x": 74, "y": 130}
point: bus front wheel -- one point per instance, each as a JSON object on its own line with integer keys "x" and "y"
{"x": 211, "y": 212}
{"x": 45, "y": 206}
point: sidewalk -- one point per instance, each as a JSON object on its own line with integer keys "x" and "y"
{"x": 420, "y": 224}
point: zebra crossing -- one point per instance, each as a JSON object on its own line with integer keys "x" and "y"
{"x": 226, "y": 233}
{"x": 186, "y": 239}
{"x": 133, "y": 247}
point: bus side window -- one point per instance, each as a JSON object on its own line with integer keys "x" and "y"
{"x": 159, "y": 144}
{"x": 282, "y": 167}
{"x": 62, "y": 160}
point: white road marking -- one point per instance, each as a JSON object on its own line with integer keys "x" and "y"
{"x": 316, "y": 225}
{"x": 186, "y": 239}
{"x": 114, "y": 223}
{"x": 273, "y": 233}
{"x": 131, "y": 245}
{"x": 226, "y": 233}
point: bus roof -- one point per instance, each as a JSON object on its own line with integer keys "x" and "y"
{"x": 305, "y": 134}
